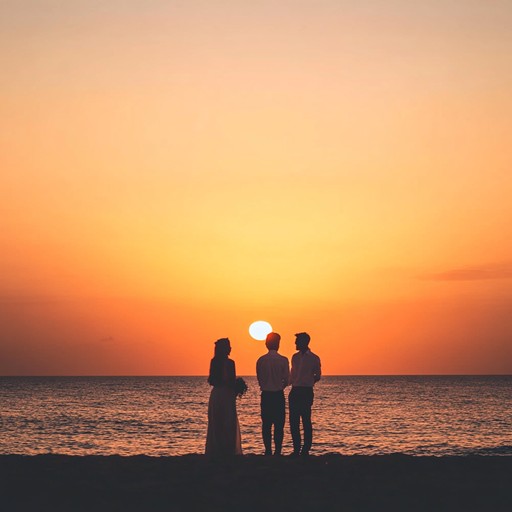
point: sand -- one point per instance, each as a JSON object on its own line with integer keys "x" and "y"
{"x": 188, "y": 483}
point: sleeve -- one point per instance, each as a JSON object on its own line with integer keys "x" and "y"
{"x": 292, "y": 373}
{"x": 231, "y": 373}
{"x": 258, "y": 370}
{"x": 286, "y": 373}
{"x": 318, "y": 370}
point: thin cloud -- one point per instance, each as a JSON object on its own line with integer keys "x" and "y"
{"x": 473, "y": 273}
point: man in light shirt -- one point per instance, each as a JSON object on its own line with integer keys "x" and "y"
{"x": 273, "y": 372}
{"x": 306, "y": 371}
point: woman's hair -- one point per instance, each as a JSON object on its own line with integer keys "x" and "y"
{"x": 222, "y": 348}
{"x": 221, "y": 353}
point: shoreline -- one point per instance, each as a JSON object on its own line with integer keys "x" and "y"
{"x": 254, "y": 482}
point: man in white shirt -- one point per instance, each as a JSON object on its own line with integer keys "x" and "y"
{"x": 306, "y": 371}
{"x": 273, "y": 372}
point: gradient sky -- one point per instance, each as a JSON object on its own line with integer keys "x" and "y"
{"x": 172, "y": 171}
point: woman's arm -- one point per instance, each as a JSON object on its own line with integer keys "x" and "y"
{"x": 230, "y": 373}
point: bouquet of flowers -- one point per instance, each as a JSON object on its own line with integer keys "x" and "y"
{"x": 240, "y": 387}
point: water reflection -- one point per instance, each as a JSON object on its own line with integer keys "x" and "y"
{"x": 168, "y": 415}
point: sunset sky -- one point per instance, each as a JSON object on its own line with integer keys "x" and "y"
{"x": 173, "y": 170}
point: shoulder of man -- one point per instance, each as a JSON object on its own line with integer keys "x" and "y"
{"x": 314, "y": 355}
{"x": 261, "y": 358}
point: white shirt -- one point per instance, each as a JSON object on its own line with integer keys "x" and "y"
{"x": 306, "y": 369}
{"x": 273, "y": 371}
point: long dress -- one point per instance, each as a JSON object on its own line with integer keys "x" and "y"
{"x": 223, "y": 437}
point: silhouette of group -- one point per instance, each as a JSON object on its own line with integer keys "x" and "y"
{"x": 274, "y": 375}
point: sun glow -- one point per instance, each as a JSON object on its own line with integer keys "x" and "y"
{"x": 177, "y": 170}
{"x": 259, "y": 329}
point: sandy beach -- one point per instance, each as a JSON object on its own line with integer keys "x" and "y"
{"x": 329, "y": 482}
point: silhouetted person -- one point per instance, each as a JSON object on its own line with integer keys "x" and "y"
{"x": 273, "y": 372}
{"x": 223, "y": 437}
{"x": 306, "y": 371}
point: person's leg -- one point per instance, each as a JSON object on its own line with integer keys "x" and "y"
{"x": 279, "y": 419}
{"x": 266, "y": 423}
{"x": 294, "y": 406}
{"x": 306, "y": 421}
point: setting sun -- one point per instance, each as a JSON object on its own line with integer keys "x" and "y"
{"x": 259, "y": 329}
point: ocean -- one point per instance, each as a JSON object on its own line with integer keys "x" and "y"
{"x": 162, "y": 416}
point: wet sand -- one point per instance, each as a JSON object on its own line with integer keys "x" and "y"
{"x": 188, "y": 483}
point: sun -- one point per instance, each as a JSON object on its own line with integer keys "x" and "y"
{"x": 259, "y": 329}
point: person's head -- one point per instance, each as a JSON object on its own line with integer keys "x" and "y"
{"x": 302, "y": 341}
{"x": 222, "y": 348}
{"x": 220, "y": 359}
{"x": 272, "y": 341}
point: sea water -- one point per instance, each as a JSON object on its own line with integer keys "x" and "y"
{"x": 161, "y": 416}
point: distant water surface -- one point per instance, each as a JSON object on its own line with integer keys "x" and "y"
{"x": 445, "y": 415}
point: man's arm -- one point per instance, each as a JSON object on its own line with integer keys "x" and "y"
{"x": 258, "y": 370}
{"x": 317, "y": 373}
{"x": 286, "y": 372}
{"x": 292, "y": 373}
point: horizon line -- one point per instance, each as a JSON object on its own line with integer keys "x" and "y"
{"x": 254, "y": 375}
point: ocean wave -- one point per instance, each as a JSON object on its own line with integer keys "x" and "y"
{"x": 492, "y": 450}
{"x": 169, "y": 416}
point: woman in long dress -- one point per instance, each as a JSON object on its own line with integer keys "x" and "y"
{"x": 223, "y": 438}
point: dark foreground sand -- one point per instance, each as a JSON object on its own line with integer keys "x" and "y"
{"x": 324, "y": 483}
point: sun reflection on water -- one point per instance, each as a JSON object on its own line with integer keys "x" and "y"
{"x": 168, "y": 415}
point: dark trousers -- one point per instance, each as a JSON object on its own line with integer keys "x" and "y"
{"x": 273, "y": 412}
{"x": 300, "y": 401}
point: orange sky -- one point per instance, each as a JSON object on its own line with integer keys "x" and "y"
{"x": 172, "y": 171}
